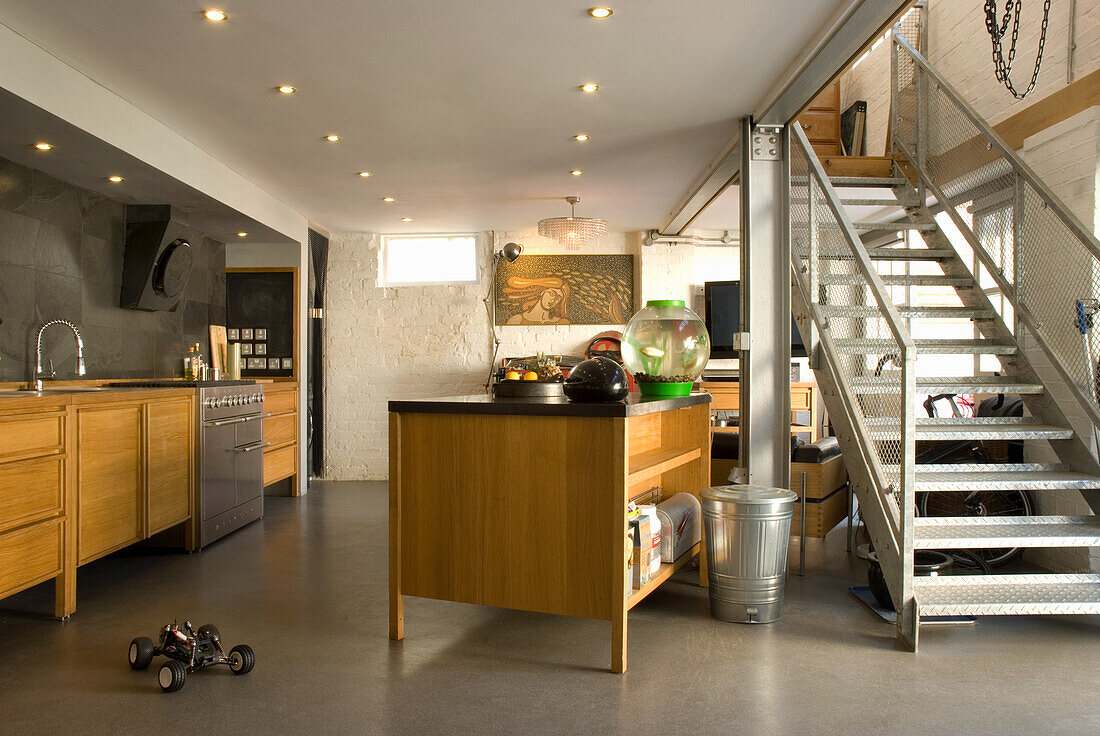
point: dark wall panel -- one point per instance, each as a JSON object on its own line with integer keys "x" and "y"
{"x": 61, "y": 258}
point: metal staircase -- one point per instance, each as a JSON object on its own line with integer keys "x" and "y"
{"x": 852, "y": 283}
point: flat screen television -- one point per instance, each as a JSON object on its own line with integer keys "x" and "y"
{"x": 723, "y": 319}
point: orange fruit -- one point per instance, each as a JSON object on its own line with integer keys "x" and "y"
{"x": 512, "y": 376}
{"x": 530, "y": 376}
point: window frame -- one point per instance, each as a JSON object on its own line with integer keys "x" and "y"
{"x": 383, "y": 258}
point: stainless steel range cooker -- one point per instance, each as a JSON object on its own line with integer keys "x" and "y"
{"x": 231, "y": 458}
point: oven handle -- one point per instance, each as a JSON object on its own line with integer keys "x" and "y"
{"x": 256, "y": 416}
{"x": 223, "y": 422}
{"x": 250, "y": 448}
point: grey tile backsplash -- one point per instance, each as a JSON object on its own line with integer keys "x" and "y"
{"x": 61, "y": 257}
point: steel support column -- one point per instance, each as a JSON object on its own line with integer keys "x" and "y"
{"x": 765, "y": 305}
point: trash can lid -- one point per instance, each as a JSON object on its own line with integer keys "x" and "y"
{"x": 749, "y": 494}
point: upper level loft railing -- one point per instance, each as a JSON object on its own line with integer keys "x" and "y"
{"x": 1042, "y": 259}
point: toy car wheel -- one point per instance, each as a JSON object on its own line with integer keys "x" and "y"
{"x": 141, "y": 653}
{"x": 209, "y": 631}
{"x": 172, "y": 675}
{"x": 241, "y": 659}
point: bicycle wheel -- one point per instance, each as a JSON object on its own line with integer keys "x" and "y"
{"x": 979, "y": 503}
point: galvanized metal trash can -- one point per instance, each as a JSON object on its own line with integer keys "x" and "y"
{"x": 747, "y": 529}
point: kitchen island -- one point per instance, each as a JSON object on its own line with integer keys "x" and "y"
{"x": 522, "y": 504}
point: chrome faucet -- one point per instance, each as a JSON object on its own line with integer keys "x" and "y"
{"x": 39, "y": 374}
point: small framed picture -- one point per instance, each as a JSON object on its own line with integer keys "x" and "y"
{"x": 273, "y": 364}
{"x": 246, "y": 334}
{"x": 288, "y": 364}
{"x": 260, "y": 349}
{"x": 232, "y": 334}
{"x": 246, "y": 348}
{"x": 259, "y": 334}
{"x": 257, "y": 364}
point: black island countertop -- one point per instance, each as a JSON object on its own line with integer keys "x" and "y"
{"x": 633, "y": 405}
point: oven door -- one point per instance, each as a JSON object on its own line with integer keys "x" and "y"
{"x": 249, "y": 451}
{"x": 219, "y": 467}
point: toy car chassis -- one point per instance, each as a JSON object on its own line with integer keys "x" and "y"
{"x": 188, "y": 650}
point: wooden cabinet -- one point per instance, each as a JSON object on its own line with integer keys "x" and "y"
{"x": 135, "y": 471}
{"x": 83, "y": 475}
{"x": 36, "y": 516}
{"x": 821, "y": 122}
{"x": 539, "y": 525}
{"x": 171, "y": 438}
{"x": 109, "y": 479}
{"x": 281, "y": 430}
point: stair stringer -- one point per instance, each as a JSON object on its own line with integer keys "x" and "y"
{"x": 874, "y": 506}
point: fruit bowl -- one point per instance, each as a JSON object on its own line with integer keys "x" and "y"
{"x": 529, "y": 389}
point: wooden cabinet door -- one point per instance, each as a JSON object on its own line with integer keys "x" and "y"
{"x": 109, "y": 480}
{"x": 169, "y": 463}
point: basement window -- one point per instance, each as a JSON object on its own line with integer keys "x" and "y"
{"x": 412, "y": 260}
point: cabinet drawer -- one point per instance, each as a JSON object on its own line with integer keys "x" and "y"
{"x": 277, "y": 402}
{"x": 30, "y": 555}
{"x": 821, "y": 126}
{"x": 800, "y": 399}
{"x": 829, "y": 99}
{"x": 31, "y": 490}
{"x": 279, "y": 430}
{"x": 32, "y": 435}
{"x": 279, "y": 464}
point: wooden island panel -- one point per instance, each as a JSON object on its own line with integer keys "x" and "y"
{"x": 503, "y": 504}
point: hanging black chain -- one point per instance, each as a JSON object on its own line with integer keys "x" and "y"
{"x": 1002, "y": 68}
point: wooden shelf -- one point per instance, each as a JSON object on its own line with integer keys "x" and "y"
{"x": 654, "y": 462}
{"x": 667, "y": 568}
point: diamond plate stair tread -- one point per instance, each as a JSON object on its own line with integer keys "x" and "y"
{"x": 862, "y": 346}
{"x": 980, "y": 468}
{"x": 865, "y": 202}
{"x": 851, "y": 279}
{"x": 949, "y": 384}
{"x": 896, "y": 254}
{"x": 1002, "y": 595}
{"x": 1004, "y": 480}
{"x": 861, "y": 181}
{"x": 899, "y": 225}
{"x": 861, "y": 312}
{"x": 1000, "y": 428}
{"x": 973, "y": 532}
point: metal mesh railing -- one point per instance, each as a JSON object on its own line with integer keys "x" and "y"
{"x": 850, "y": 304}
{"x": 1042, "y": 259}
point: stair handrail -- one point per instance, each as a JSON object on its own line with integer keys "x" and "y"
{"x": 900, "y": 518}
{"x": 1057, "y": 347}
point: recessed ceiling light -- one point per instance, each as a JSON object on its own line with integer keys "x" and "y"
{"x": 241, "y": 235}
{"x": 332, "y": 138}
{"x": 581, "y": 137}
{"x": 600, "y": 13}
{"x": 215, "y": 15}
{"x": 43, "y": 146}
{"x": 286, "y": 89}
{"x": 406, "y": 219}
{"x": 364, "y": 174}
{"x": 589, "y": 87}
{"x": 114, "y": 179}
{"x": 389, "y": 199}
{"x": 576, "y": 172}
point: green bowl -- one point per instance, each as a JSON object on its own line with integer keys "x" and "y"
{"x": 665, "y": 390}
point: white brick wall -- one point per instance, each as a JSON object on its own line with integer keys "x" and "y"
{"x": 425, "y": 341}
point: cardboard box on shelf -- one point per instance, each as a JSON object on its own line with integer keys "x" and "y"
{"x": 655, "y": 542}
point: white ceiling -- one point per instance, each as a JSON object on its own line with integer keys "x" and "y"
{"x": 462, "y": 109}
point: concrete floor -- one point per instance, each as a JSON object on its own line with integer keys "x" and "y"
{"x": 306, "y": 587}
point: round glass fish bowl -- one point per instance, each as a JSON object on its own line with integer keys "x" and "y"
{"x": 666, "y": 347}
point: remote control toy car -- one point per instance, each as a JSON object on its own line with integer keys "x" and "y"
{"x": 188, "y": 650}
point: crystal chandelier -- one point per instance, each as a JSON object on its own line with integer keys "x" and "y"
{"x": 573, "y": 231}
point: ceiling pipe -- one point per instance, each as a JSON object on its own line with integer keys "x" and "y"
{"x": 654, "y": 237}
